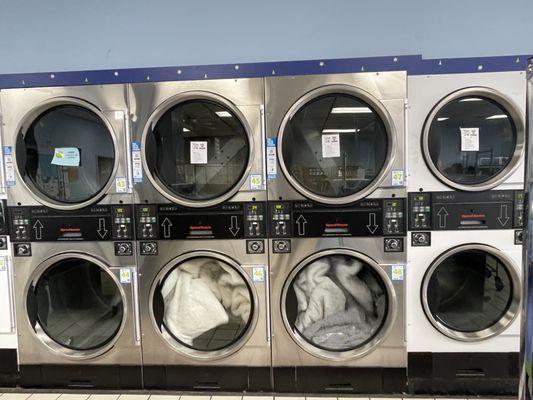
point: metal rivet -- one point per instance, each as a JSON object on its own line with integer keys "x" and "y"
{"x": 479, "y": 67}
{"x": 395, "y": 59}
{"x": 236, "y": 67}
{"x": 321, "y": 63}
{"x": 179, "y": 71}
{"x": 116, "y": 73}
{"x": 52, "y": 76}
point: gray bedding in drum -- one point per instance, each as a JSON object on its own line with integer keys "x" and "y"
{"x": 207, "y": 304}
{"x": 337, "y": 303}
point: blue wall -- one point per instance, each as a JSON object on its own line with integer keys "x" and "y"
{"x": 60, "y": 35}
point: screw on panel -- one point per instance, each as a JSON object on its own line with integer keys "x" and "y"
{"x": 479, "y": 67}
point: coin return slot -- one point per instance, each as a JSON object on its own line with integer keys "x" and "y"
{"x": 473, "y": 222}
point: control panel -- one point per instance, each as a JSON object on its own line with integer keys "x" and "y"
{"x": 227, "y": 221}
{"x": 96, "y": 223}
{"x": 497, "y": 209}
{"x": 371, "y": 217}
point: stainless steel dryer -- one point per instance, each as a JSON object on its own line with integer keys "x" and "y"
{"x": 71, "y": 225}
{"x": 201, "y": 226}
{"x": 335, "y": 164}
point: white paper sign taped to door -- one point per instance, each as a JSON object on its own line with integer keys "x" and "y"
{"x": 331, "y": 146}
{"x": 469, "y": 139}
{"x": 198, "y": 152}
{"x": 66, "y": 156}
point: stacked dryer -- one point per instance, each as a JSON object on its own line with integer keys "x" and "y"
{"x": 466, "y": 143}
{"x": 72, "y": 229}
{"x": 335, "y": 163}
{"x": 201, "y": 225}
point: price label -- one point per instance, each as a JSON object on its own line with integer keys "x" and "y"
{"x": 331, "y": 146}
{"x": 469, "y": 139}
{"x": 198, "y": 152}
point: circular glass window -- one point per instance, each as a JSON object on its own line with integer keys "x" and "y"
{"x": 67, "y": 154}
{"x": 336, "y": 303}
{"x": 335, "y": 145}
{"x": 77, "y": 304}
{"x": 471, "y": 140}
{"x": 204, "y": 304}
{"x": 198, "y": 150}
{"x": 470, "y": 291}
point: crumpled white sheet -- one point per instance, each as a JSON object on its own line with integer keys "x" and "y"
{"x": 338, "y": 309}
{"x": 198, "y": 296}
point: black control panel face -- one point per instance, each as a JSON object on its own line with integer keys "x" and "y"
{"x": 436, "y": 211}
{"x": 228, "y": 221}
{"x": 96, "y": 223}
{"x": 372, "y": 217}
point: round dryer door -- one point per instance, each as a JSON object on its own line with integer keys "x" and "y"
{"x": 338, "y": 304}
{"x": 203, "y": 305}
{"x": 197, "y": 151}
{"x": 76, "y": 306}
{"x": 471, "y": 292}
{"x": 474, "y": 139}
{"x": 66, "y": 155}
{"x": 335, "y": 144}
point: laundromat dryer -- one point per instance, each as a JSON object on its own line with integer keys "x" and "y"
{"x": 466, "y": 146}
{"x": 201, "y": 228}
{"x": 337, "y": 223}
{"x": 71, "y": 225}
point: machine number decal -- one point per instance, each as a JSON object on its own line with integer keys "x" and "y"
{"x": 256, "y": 182}
{"x": 8, "y": 166}
{"x": 272, "y": 158}
{"x": 397, "y": 272}
{"x": 397, "y": 177}
{"x": 258, "y": 274}
{"x": 121, "y": 185}
{"x": 125, "y": 275}
{"x": 136, "y": 161}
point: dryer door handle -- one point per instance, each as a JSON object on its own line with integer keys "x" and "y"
{"x": 136, "y": 313}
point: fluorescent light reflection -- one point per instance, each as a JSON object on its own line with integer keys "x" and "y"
{"x": 351, "y": 110}
{"x": 223, "y": 114}
{"x": 341, "y": 130}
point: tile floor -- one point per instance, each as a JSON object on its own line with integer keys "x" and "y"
{"x": 199, "y": 396}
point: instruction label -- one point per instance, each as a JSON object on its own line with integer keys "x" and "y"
{"x": 331, "y": 146}
{"x": 397, "y": 272}
{"x": 137, "y": 169}
{"x": 66, "y": 156}
{"x": 271, "y": 158}
{"x": 199, "y": 152}
{"x": 8, "y": 166}
{"x": 469, "y": 139}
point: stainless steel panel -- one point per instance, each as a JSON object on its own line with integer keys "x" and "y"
{"x": 37, "y": 348}
{"x": 252, "y": 350}
{"x": 387, "y": 88}
{"x": 389, "y": 352}
{"x": 21, "y": 106}
{"x": 244, "y": 96}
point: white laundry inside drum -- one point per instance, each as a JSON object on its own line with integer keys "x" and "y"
{"x": 337, "y": 303}
{"x": 207, "y": 304}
